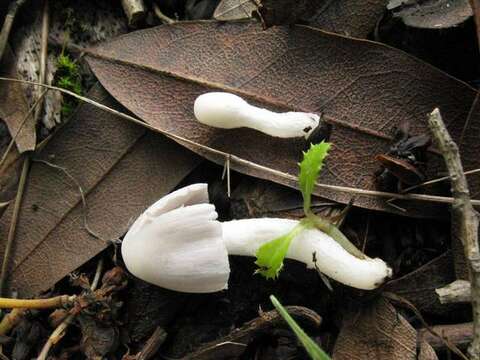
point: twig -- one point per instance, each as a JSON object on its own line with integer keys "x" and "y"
{"x": 247, "y": 163}
{"x": 464, "y": 215}
{"x": 11, "y": 320}
{"x": 13, "y": 223}
{"x": 7, "y": 24}
{"x": 164, "y": 18}
{"x": 458, "y": 291}
{"x": 59, "y": 331}
{"x": 437, "y": 180}
{"x": 49, "y": 303}
{"x": 135, "y": 11}
{"x": 152, "y": 345}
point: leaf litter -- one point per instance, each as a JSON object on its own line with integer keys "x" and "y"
{"x": 53, "y": 215}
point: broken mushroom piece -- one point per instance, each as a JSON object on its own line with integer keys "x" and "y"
{"x": 227, "y": 111}
{"x": 178, "y": 244}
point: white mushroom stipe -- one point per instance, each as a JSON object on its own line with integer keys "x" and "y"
{"x": 244, "y": 237}
{"x": 228, "y": 111}
{"x": 178, "y": 244}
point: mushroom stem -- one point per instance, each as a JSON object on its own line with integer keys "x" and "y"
{"x": 244, "y": 237}
{"x": 228, "y": 111}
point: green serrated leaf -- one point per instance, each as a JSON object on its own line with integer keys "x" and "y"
{"x": 313, "y": 350}
{"x": 310, "y": 169}
{"x": 271, "y": 254}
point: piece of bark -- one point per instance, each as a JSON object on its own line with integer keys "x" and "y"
{"x": 458, "y": 291}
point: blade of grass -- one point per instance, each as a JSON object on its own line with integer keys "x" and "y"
{"x": 310, "y": 346}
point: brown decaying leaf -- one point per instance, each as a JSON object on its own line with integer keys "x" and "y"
{"x": 363, "y": 89}
{"x": 14, "y": 107}
{"x": 376, "y": 332}
{"x": 122, "y": 170}
{"x": 419, "y": 286}
{"x": 355, "y": 18}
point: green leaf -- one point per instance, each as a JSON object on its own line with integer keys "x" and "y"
{"x": 309, "y": 170}
{"x": 313, "y": 350}
{"x": 271, "y": 254}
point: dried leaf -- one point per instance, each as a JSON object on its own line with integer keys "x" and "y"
{"x": 377, "y": 332}
{"x": 14, "y": 107}
{"x": 419, "y": 286}
{"x": 363, "y": 89}
{"x": 435, "y": 14}
{"x": 234, "y": 10}
{"x": 121, "y": 169}
{"x": 355, "y": 18}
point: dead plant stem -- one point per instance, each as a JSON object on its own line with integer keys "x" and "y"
{"x": 464, "y": 215}
{"x": 13, "y": 223}
{"x": 49, "y": 303}
{"x": 7, "y": 24}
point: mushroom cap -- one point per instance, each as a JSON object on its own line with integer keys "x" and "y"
{"x": 177, "y": 243}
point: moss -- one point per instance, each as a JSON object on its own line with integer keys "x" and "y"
{"x": 68, "y": 77}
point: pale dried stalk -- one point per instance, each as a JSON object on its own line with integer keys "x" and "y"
{"x": 49, "y": 303}
{"x": 13, "y": 224}
{"x": 465, "y": 215}
{"x": 7, "y": 24}
{"x": 135, "y": 11}
{"x": 247, "y": 163}
{"x": 458, "y": 291}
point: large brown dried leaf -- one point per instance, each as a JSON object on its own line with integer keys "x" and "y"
{"x": 14, "y": 107}
{"x": 376, "y": 333}
{"x": 120, "y": 167}
{"x": 364, "y": 89}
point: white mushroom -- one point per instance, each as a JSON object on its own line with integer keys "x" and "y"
{"x": 228, "y": 111}
{"x": 178, "y": 244}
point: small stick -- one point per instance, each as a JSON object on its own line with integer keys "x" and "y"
{"x": 11, "y": 320}
{"x": 54, "y": 302}
{"x": 152, "y": 345}
{"x": 464, "y": 215}
{"x": 13, "y": 223}
{"x": 135, "y": 11}
{"x": 7, "y": 24}
{"x": 164, "y": 18}
{"x": 458, "y": 291}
